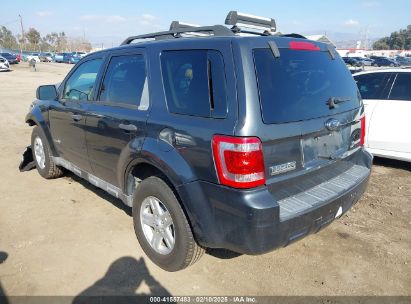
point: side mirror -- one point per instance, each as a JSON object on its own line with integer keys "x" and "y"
{"x": 46, "y": 92}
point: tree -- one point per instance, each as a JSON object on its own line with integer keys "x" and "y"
{"x": 51, "y": 39}
{"x": 61, "y": 41}
{"x": 400, "y": 40}
{"x": 7, "y": 40}
{"x": 33, "y": 36}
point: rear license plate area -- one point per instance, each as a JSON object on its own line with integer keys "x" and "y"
{"x": 325, "y": 146}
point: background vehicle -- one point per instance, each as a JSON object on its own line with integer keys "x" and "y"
{"x": 58, "y": 57}
{"x": 352, "y": 61}
{"x": 270, "y": 151}
{"x": 67, "y": 57}
{"x": 387, "y": 99}
{"x": 79, "y": 54}
{"x": 34, "y": 56}
{"x": 4, "y": 64}
{"x": 382, "y": 61}
{"x": 10, "y": 58}
{"x": 364, "y": 61}
{"x": 46, "y": 57}
{"x": 404, "y": 61}
{"x": 74, "y": 58}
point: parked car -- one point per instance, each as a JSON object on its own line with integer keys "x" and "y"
{"x": 4, "y": 64}
{"x": 382, "y": 61}
{"x": 404, "y": 61}
{"x": 387, "y": 99}
{"x": 10, "y": 58}
{"x": 352, "y": 62}
{"x": 79, "y": 54}
{"x": 224, "y": 141}
{"x": 67, "y": 57}
{"x": 74, "y": 59}
{"x": 46, "y": 57}
{"x": 34, "y": 56}
{"x": 364, "y": 61}
{"x": 59, "y": 57}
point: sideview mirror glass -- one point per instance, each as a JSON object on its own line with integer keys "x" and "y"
{"x": 46, "y": 92}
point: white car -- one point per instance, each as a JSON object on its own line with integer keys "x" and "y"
{"x": 4, "y": 64}
{"x": 387, "y": 101}
{"x": 34, "y": 56}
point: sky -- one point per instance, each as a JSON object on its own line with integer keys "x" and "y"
{"x": 108, "y": 22}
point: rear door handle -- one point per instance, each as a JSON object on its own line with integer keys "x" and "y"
{"x": 128, "y": 127}
{"x": 76, "y": 117}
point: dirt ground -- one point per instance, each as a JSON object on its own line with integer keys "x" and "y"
{"x": 66, "y": 237}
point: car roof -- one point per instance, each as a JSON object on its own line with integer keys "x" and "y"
{"x": 281, "y": 41}
{"x": 390, "y": 70}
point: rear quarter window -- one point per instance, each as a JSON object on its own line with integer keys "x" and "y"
{"x": 401, "y": 89}
{"x": 194, "y": 82}
{"x": 372, "y": 86}
{"x": 297, "y": 85}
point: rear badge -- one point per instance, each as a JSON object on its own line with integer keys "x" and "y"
{"x": 274, "y": 170}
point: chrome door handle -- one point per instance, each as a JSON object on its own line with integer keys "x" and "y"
{"x": 76, "y": 117}
{"x": 128, "y": 127}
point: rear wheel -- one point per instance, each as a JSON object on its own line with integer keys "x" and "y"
{"x": 162, "y": 228}
{"x": 42, "y": 155}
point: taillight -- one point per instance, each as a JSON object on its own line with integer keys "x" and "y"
{"x": 303, "y": 46}
{"x": 239, "y": 161}
{"x": 362, "y": 137}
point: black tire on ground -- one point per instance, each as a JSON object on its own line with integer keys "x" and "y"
{"x": 186, "y": 251}
{"x": 50, "y": 170}
{"x": 374, "y": 64}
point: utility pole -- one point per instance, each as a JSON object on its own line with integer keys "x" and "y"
{"x": 22, "y": 35}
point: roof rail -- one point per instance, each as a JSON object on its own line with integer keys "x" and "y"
{"x": 216, "y": 30}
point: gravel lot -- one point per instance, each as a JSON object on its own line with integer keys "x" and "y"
{"x": 66, "y": 237}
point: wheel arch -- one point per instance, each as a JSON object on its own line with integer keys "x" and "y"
{"x": 35, "y": 118}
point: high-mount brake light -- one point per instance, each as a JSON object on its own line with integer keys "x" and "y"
{"x": 239, "y": 161}
{"x": 304, "y": 46}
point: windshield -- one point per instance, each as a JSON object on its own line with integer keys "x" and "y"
{"x": 297, "y": 85}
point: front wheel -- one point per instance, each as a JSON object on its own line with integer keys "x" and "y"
{"x": 42, "y": 155}
{"x": 161, "y": 226}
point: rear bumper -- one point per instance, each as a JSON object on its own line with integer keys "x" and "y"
{"x": 249, "y": 221}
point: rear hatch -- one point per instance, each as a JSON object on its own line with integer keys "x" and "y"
{"x": 312, "y": 115}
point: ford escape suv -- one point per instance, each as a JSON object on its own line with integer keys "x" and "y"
{"x": 217, "y": 136}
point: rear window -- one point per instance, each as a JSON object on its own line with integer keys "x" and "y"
{"x": 297, "y": 85}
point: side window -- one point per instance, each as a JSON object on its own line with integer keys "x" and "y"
{"x": 194, "y": 82}
{"x": 125, "y": 81}
{"x": 372, "y": 85}
{"x": 401, "y": 89}
{"x": 81, "y": 84}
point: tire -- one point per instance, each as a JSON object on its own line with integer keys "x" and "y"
{"x": 375, "y": 65}
{"x": 45, "y": 166}
{"x": 184, "y": 251}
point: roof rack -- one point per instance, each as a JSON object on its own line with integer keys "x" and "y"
{"x": 216, "y": 30}
{"x": 239, "y": 20}
{"x": 253, "y": 25}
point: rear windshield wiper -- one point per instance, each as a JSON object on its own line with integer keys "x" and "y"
{"x": 332, "y": 102}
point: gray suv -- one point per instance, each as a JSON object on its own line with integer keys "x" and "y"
{"x": 216, "y": 136}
